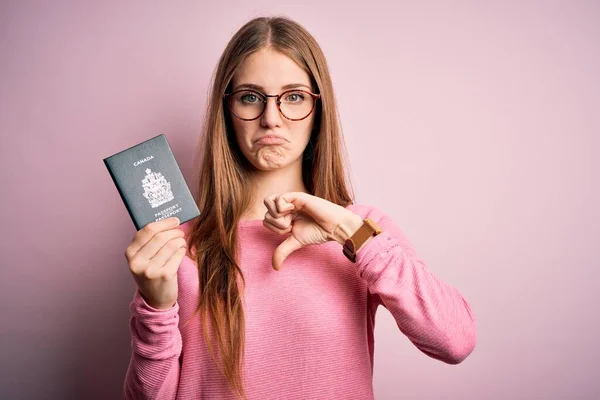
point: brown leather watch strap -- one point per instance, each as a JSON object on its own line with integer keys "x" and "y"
{"x": 353, "y": 244}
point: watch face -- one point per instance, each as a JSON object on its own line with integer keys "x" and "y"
{"x": 349, "y": 245}
{"x": 349, "y": 250}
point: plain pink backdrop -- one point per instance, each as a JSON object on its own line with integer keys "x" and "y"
{"x": 480, "y": 120}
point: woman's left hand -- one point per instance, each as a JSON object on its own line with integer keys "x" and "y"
{"x": 309, "y": 220}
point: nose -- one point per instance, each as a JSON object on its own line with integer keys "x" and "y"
{"x": 271, "y": 118}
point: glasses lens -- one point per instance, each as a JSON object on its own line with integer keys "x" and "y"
{"x": 247, "y": 104}
{"x": 296, "y": 104}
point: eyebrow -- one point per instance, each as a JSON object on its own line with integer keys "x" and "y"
{"x": 262, "y": 89}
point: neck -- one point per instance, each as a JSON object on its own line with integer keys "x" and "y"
{"x": 268, "y": 183}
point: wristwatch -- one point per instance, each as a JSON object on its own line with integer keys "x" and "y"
{"x": 354, "y": 243}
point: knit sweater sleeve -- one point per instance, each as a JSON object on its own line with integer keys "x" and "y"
{"x": 434, "y": 316}
{"x": 154, "y": 367}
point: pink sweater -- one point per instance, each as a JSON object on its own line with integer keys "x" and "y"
{"x": 309, "y": 326}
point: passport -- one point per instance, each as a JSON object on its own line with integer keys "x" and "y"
{"x": 150, "y": 183}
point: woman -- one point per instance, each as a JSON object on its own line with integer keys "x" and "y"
{"x": 271, "y": 293}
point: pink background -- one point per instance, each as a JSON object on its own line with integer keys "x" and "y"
{"x": 475, "y": 125}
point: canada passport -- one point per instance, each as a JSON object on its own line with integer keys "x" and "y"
{"x": 150, "y": 183}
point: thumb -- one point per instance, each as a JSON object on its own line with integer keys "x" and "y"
{"x": 287, "y": 247}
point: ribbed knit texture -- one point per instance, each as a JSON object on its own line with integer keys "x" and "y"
{"x": 309, "y": 326}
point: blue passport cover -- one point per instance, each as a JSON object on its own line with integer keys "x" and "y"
{"x": 150, "y": 183}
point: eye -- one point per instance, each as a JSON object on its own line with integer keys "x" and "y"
{"x": 250, "y": 97}
{"x": 294, "y": 97}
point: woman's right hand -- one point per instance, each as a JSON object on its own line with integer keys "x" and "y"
{"x": 154, "y": 256}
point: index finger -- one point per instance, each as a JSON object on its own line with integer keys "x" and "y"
{"x": 282, "y": 205}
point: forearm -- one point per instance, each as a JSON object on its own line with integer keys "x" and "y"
{"x": 153, "y": 371}
{"x": 430, "y": 312}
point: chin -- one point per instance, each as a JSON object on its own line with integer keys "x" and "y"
{"x": 272, "y": 160}
{"x": 270, "y": 163}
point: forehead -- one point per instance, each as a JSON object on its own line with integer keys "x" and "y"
{"x": 269, "y": 69}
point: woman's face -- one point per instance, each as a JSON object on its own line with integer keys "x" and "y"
{"x": 271, "y": 141}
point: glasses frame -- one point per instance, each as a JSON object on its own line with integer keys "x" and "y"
{"x": 229, "y": 97}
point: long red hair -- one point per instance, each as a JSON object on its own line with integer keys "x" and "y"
{"x": 223, "y": 186}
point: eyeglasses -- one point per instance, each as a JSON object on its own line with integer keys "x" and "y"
{"x": 249, "y": 105}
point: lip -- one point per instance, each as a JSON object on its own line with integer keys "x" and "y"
{"x": 271, "y": 139}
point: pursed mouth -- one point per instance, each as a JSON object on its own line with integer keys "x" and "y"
{"x": 271, "y": 139}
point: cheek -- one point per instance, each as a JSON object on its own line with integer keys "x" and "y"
{"x": 243, "y": 130}
{"x": 304, "y": 131}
